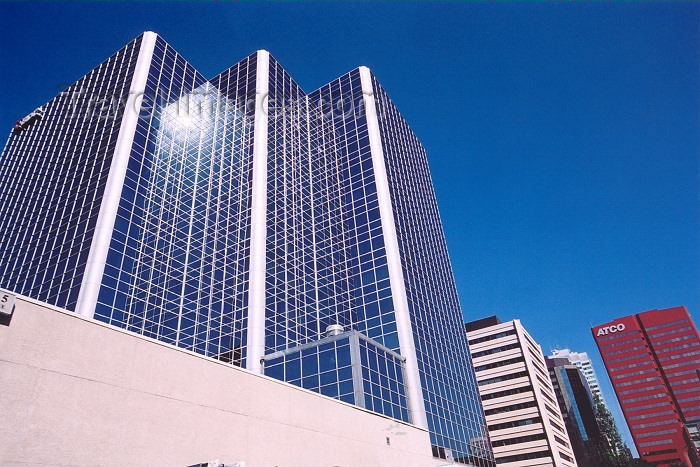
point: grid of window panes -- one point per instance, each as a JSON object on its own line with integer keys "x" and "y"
{"x": 237, "y": 83}
{"x": 54, "y": 174}
{"x": 306, "y": 283}
{"x": 341, "y": 106}
{"x": 177, "y": 268}
{"x": 324, "y": 366}
{"x": 454, "y": 412}
{"x": 329, "y": 213}
{"x": 383, "y": 381}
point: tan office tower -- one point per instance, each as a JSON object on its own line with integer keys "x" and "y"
{"x": 524, "y": 421}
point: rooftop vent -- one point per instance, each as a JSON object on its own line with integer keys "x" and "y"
{"x": 334, "y": 330}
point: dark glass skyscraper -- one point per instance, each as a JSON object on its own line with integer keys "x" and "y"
{"x": 292, "y": 234}
{"x": 577, "y": 408}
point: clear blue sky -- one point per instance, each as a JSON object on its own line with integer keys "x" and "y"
{"x": 563, "y": 137}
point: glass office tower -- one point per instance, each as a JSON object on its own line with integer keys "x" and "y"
{"x": 583, "y": 363}
{"x": 576, "y": 403}
{"x": 293, "y": 234}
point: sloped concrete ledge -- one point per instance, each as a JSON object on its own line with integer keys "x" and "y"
{"x": 76, "y": 392}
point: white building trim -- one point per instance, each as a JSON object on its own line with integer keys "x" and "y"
{"x": 97, "y": 257}
{"x": 258, "y": 221}
{"x": 414, "y": 391}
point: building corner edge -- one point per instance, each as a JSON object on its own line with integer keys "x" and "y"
{"x": 104, "y": 227}
{"x": 258, "y": 223}
{"x": 398, "y": 288}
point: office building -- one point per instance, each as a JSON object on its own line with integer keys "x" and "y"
{"x": 295, "y": 235}
{"x": 583, "y": 363}
{"x": 577, "y": 408}
{"x": 524, "y": 421}
{"x": 653, "y": 360}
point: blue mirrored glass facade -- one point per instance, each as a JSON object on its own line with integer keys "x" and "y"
{"x": 241, "y": 218}
{"x": 175, "y": 266}
{"x": 448, "y": 382}
{"x": 54, "y": 175}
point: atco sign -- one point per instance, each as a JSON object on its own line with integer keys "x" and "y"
{"x": 611, "y": 329}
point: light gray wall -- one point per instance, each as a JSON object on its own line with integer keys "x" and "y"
{"x": 76, "y": 392}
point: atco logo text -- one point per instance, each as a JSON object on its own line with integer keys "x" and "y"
{"x": 611, "y": 329}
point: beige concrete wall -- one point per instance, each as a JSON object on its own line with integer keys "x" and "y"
{"x": 77, "y": 392}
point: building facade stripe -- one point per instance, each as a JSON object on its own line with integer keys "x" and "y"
{"x": 396, "y": 279}
{"x": 258, "y": 223}
{"x": 94, "y": 269}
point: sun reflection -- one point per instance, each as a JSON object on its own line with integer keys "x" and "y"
{"x": 185, "y": 120}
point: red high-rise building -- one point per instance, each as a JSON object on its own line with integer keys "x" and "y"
{"x": 653, "y": 360}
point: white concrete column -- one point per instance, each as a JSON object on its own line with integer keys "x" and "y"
{"x": 258, "y": 222}
{"x": 97, "y": 257}
{"x": 398, "y": 288}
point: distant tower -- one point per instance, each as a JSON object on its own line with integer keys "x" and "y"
{"x": 583, "y": 362}
{"x": 577, "y": 407}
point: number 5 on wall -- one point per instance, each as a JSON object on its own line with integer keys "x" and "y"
{"x": 7, "y": 303}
